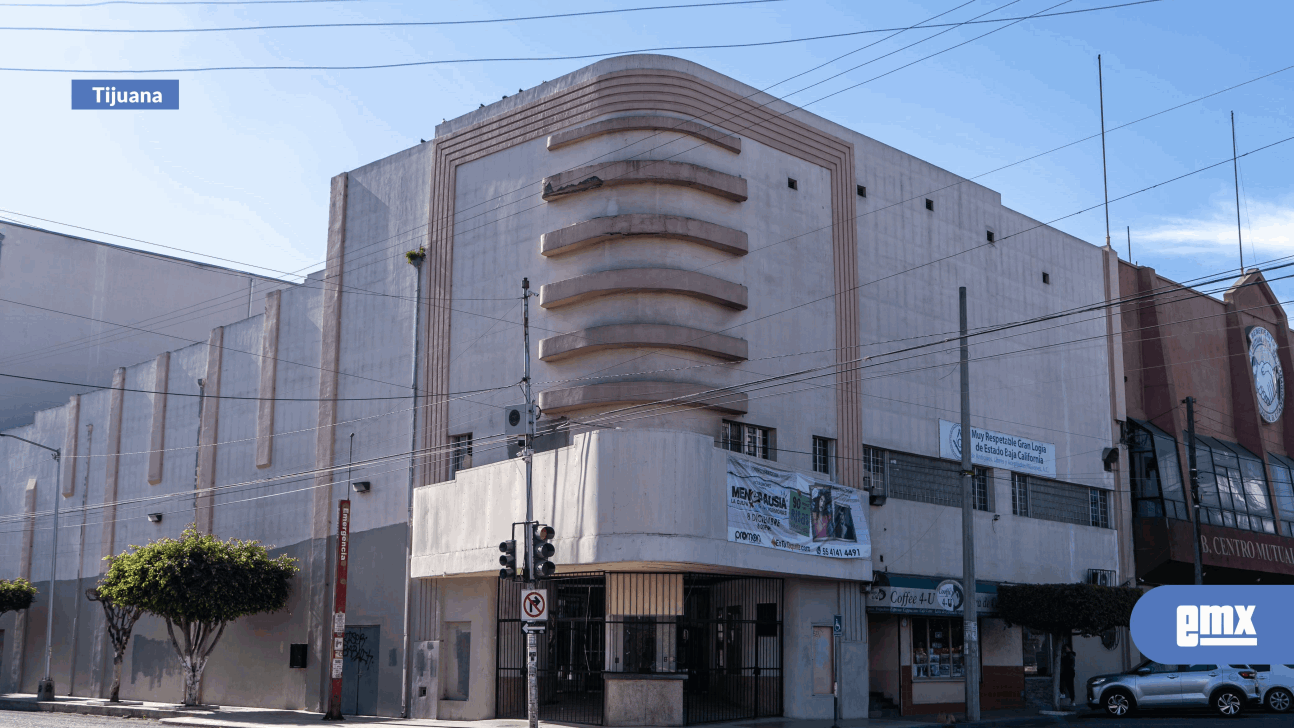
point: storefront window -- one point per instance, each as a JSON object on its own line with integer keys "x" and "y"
{"x": 1156, "y": 474}
{"x": 1283, "y": 489}
{"x": 1233, "y": 488}
{"x": 936, "y": 648}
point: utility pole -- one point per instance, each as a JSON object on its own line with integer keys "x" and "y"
{"x": 532, "y": 637}
{"x": 1129, "y": 228}
{"x": 970, "y": 616}
{"x": 45, "y": 689}
{"x": 405, "y": 687}
{"x": 1195, "y": 487}
{"x": 1235, "y": 169}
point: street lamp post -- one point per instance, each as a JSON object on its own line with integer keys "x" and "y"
{"x": 45, "y": 689}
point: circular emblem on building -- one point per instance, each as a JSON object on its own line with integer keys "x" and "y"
{"x": 1269, "y": 378}
{"x": 955, "y": 440}
{"x": 949, "y": 595}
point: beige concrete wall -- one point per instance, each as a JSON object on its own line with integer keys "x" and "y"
{"x": 614, "y": 497}
{"x": 473, "y": 601}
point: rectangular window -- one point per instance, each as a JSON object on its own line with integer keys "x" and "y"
{"x": 991, "y": 237}
{"x": 937, "y": 649}
{"x": 461, "y": 453}
{"x": 824, "y": 454}
{"x": 980, "y": 480}
{"x": 1019, "y": 494}
{"x": 862, "y": 191}
{"x": 1233, "y": 486}
{"x": 874, "y": 470}
{"x": 750, "y": 440}
{"x": 1283, "y": 488}
{"x": 1100, "y": 504}
{"x": 1155, "y": 473}
{"x": 930, "y": 205}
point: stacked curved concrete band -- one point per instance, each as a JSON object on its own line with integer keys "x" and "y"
{"x": 604, "y": 251}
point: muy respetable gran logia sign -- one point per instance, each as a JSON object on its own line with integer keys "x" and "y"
{"x": 998, "y": 450}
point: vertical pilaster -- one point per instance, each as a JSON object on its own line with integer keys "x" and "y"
{"x": 269, "y": 372}
{"x": 204, "y": 502}
{"x": 157, "y": 439}
{"x": 112, "y": 463}
{"x": 321, "y": 504}
{"x": 68, "y": 486}
{"x": 19, "y": 646}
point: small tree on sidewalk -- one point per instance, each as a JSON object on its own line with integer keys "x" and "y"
{"x": 198, "y": 584}
{"x": 121, "y": 622}
{"x": 1062, "y": 610}
{"x": 16, "y": 595}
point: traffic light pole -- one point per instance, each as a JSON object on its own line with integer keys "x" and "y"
{"x": 532, "y": 639}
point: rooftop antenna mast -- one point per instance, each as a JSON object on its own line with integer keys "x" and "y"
{"x": 1235, "y": 168}
{"x": 1105, "y": 177}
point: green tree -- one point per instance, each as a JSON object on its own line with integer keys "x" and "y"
{"x": 16, "y": 595}
{"x": 1062, "y": 610}
{"x": 198, "y": 584}
{"x": 121, "y": 622}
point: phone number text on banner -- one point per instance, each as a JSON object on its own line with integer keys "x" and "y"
{"x": 783, "y": 510}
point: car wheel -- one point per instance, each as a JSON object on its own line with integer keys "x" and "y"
{"x": 1118, "y": 703}
{"x": 1228, "y": 703}
{"x": 1279, "y": 700}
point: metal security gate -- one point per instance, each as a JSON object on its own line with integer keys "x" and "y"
{"x": 731, "y": 648}
{"x": 572, "y": 652}
{"x": 723, "y": 632}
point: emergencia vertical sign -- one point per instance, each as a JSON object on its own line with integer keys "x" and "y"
{"x": 108, "y": 95}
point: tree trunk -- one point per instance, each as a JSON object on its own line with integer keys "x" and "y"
{"x": 1057, "y": 643}
{"x": 199, "y": 640}
{"x": 192, "y": 681}
{"x": 114, "y": 695}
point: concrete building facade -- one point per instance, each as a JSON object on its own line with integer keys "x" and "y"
{"x": 1230, "y": 355}
{"x": 76, "y": 309}
{"x": 727, "y": 296}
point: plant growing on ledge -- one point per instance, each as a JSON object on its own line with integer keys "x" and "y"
{"x": 416, "y": 256}
{"x": 199, "y": 584}
{"x": 16, "y": 595}
{"x": 1062, "y": 610}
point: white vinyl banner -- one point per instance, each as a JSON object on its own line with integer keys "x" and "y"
{"x": 782, "y": 510}
{"x": 998, "y": 450}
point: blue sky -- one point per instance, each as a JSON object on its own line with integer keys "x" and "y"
{"x": 241, "y": 170}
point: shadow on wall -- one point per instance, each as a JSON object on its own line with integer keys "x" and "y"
{"x": 152, "y": 659}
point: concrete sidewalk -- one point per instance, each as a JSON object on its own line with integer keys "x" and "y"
{"x": 237, "y": 717}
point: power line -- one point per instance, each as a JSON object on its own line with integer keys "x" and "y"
{"x": 250, "y": 399}
{"x": 527, "y": 59}
{"x": 401, "y": 24}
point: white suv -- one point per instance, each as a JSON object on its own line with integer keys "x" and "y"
{"x": 1275, "y": 686}
{"x": 1226, "y": 689}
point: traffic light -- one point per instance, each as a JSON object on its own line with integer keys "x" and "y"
{"x": 508, "y": 560}
{"x": 543, "y": 536}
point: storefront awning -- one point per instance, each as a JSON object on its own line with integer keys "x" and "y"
{"x": 928, "y": 595}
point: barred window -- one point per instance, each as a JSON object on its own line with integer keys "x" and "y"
{"x": 1052, "y": 500}
{"x": 824, "y": 452}
{"x": 1100, "y": 505}
{"x": 750, "y": 440}
{"x": 461, "y": 453}
{"x": 980, "y": 480}
{"x": 927, "y": 480}
{"x": 874, "y": 470}
{"x": 1019, "y": 494}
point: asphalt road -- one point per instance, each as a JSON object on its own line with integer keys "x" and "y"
{"x": 1254, "y": 718}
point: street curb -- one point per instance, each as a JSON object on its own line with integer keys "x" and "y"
{"x": 1023, "y": 720}
{"x": 115, "y": 711}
